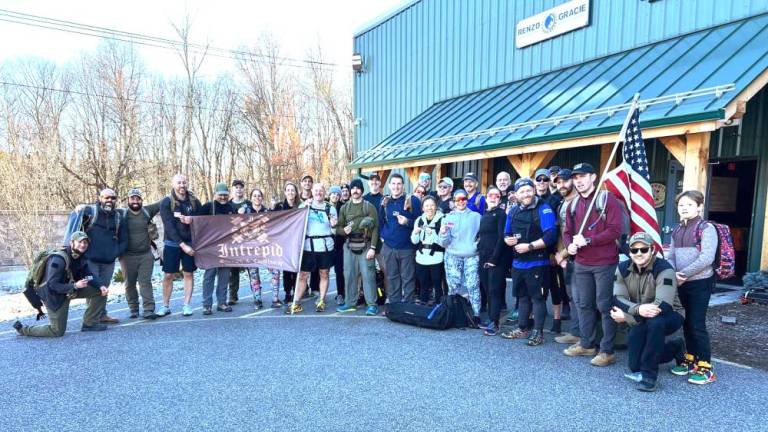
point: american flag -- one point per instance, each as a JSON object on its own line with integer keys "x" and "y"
{"x": 631, "y": 182}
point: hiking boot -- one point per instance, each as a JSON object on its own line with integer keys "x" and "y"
{"x": 93, "y": 327}
{"x": 277, "y": 304}
{"x": 557, "y": 326}
{"x": 257, "y": 304}
{"x": 134, "y": 314}
{"x": 686, "y": 366}
{"x": 320, "y": 306}
{"x": 346, "y": 308}
{"x": 186, "y": 310}
{"x": 577, "y": 350}
{"x": 647, "y": 385}
{"x": 634, "y": 376}
{"x": 150, "y": 316}
{"x": 515, "y": 334}
{"x": 603, "y": 359}
{"x": 703, "y": 374}
{"x": 207, "y": 310}
{"x": 372, "y": 310}
{"x": 224, "y": 308}
{"x": 294, "y": 308}
{"x": 567, "y": 339}
{"x": 106, "y": 319}
{"x": 536, "y": 338}
{"x": 18, "y": 327}
{"x": 164, "y": 310}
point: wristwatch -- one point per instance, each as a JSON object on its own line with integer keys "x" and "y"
{"x": 530, "y": 247}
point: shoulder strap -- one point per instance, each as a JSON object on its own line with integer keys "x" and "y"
{"x": 700, "y": 225}
{"x": 477, "y": 200}
{"x": 93, "y": 216}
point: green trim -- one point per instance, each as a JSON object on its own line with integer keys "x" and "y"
{"x": 690, "y": 118}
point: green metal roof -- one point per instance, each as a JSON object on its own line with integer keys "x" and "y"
{"x": 728, "y": 57}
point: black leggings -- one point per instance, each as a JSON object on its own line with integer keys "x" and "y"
{"x": 289, "y": 283}
{"x": 338, "y": 268}
{"x": 493, "y": 278}
{"x": 430, "y": 279}
{"x": 557, "y": 286}
{"x": 694, "y": 296}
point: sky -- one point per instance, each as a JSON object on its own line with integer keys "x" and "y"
{"x": 297, "y": 25}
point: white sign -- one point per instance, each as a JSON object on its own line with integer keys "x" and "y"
{"x": 553, "y": 22}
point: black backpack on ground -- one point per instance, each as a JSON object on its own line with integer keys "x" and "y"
{"x": 435, "y": 317}
{"x": 462, "y": 315}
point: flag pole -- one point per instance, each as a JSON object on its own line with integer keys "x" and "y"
{"x": 619, "y": 139}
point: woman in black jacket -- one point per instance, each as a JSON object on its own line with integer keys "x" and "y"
{"x": 490, "y": 247}
{"x": 290, "y": 202}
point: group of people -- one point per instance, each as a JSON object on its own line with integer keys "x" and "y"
{"x": 555, "y": 235}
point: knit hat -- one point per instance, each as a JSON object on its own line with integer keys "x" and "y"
{"x": 523, "y": 181}
{"x": 356, "y": 183}
{"x": 221, "y": 189}
{"x": 334, "y": 189}
{"x": 134, "y": 192}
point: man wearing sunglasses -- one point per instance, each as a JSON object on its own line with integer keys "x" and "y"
{"x": 445, "y": 195}
{"x": 645, "y": 291}
{"x": 108, "y": 234}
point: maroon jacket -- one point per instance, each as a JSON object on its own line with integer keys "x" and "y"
{"x": 603, "y": 232}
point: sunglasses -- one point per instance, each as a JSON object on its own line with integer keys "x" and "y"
{"x": 442, "y": 186}
{"x": 635, "y": 251}
{"x": 542, "y": 180}
{"x": 460, "y": 199}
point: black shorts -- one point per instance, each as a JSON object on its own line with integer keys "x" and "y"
{"x": 314, "y": 261}
{"x": 173, "y": 257}
{"x": 533, "y": 282}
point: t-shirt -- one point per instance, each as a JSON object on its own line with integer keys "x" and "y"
{"x": 319, "y": 236}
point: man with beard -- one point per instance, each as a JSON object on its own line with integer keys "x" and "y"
{"x": 137, "y": 262}
{"x": 239, "y": 205}
{"x": 67, "y": 276}
{"x": 175, "y": 210}
{"x": 475, "y": 200}
{"x": 565, "y": 188}
{"x": 108, "y": 236}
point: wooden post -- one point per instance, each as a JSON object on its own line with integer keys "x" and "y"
{"x": 676, "y": 147}
{"x": 384, "y": 174}
{"x": 605, "y": 153}
{"x": 527, "y": 164}
{"x": 486, "y": 171}
{"x": 696, "y": 159}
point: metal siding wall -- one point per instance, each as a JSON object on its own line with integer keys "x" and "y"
{"x": 437, "y": 49}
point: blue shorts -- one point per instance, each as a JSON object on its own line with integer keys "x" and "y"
{"x": 173, "y": 257}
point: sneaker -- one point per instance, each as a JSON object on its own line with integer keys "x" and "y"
{"x": 164, "y": 310}
{"x": 346, "y": 308}
{"x": 603, "y": 359}
{"x": 134, "y": 314}
{"x": 320, "y": 306}
{"x": 207, "y": 310}
{"x": 512, "y": 317}
{"x": 492, "y": 330}
{"x": 686, "y": 366}
{"x": 515, "y": 334}
{"x": 339, "y": 300}
{"x": 18, "y": 326}
{"x": 568, "y": 339}
{"x": 372, "y": 310}
{"x": 577, "y": 350}
{"x": 186, "y": 310}
{"x": 485, "y": 325}
{"x": 257, "y": 304}
{"x": 224, "y": 308}
{"x": 294, "y": 308}
{"x": 703, "y": 374}
{"x": 93, "y": 327}
{"x": 557, "y": 326}
{"x": 536, "y": 338}
{"x": 647, "y": 385}
{"x": 277, "y": 304}
{"x": 634, "y": 376}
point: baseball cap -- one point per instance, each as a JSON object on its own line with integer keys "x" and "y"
{"x": 523, "y": 181}
{"x": 471, "y": 176}
{"x": 79, "y": 235}
{"x": 541, "y": 172}
{"x": 641, "y": 237}
{"x": 221, "y": 189}
{"x": 554, "y": 169}
{"x": 238, "y": 183}
{"x": 446, "y": 180}
{"x": 134, "y": 192}
{"x": 564, "y": 174}
{"x": 583, "y": 168}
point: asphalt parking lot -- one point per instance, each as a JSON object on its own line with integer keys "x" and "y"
{"x": 265, "y": 370}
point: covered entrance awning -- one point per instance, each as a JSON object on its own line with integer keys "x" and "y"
{"x": 687, "y": 85}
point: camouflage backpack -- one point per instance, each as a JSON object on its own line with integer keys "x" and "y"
{"x": 36, "y": 275}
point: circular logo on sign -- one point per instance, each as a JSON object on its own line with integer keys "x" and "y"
{"x": 549, "y": 23}
{"x": 659, "y": 194}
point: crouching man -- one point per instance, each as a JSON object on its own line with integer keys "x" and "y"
{"x": 645, "y": 290}
{"x": 67, "y": 277}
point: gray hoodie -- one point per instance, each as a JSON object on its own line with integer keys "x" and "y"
{"x": 461, "y": 240}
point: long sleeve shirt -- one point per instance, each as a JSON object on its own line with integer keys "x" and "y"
{"x": 393, "y": 234}
{"x": 602, "y": 230}
{"x": 461, "y": 239}
{"x": 490, "y": 243}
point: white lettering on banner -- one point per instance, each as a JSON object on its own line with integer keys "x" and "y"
{"x": 553, "y": 22}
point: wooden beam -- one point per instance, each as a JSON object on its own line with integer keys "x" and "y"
{"x": 486, "y": 172}
{"x": 737, "y": 108}
{"x": 689, "y": 128}
{"x": 696, "y": 162}
{"x": 384, "y": 174}
{"x": 517, "y": 163}
{"x": 541, "y": 159}
{"x": 527, "y": 164}
{"x": 413, "y": 175}
{"x": 676, "y": 146}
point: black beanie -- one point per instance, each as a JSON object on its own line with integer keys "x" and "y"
{"x": 356, "y": 183}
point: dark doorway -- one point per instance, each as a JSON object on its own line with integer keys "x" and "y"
{"x": 731, "y": 202}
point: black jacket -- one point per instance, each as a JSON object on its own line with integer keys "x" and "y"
{"x": 490, "y": 244}
{"x": 212, "y": 208}
{"x": 108, "y": 237}
{"x": 57, "y": 283}
{"x": 173, "y": 229}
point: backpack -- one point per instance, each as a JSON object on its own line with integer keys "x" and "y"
{"x": 725, "y": 255}
{"x": 600, "y": 204}
{"x": 36, "y": 274}
{"x": 437, "y": 317}
{"x": 462, "y": 315}
{"x": 357, "y": 242}
{"x": 79, "y": 221}
{"x": 154, "y": 234}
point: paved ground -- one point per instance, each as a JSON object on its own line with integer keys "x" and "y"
{"x": 268, "y": 371}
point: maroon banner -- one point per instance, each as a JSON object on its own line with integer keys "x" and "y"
{"x": 273, "y": 240}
